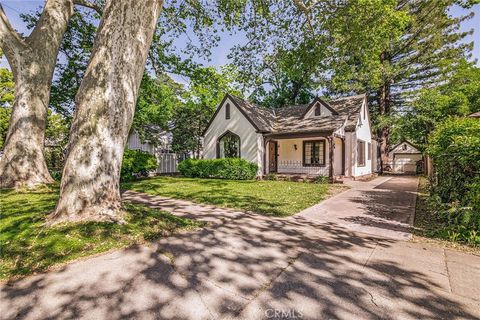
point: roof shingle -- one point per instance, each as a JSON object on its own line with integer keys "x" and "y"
{"x": 290, "y": 119}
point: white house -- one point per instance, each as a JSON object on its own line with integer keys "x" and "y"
{"x": 404, "y": 158}
{"x": 320, "y": 138}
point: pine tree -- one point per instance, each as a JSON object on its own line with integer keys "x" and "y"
{"x": 419, "y": 47}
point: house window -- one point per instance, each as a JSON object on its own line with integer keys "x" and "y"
{"x": 314, "y": 153}
{"x": 227, "y": 111}
{"x": 228, "y": 146}
{"x": 360, "y": 153}
{"x": 404, "y": 146}
{"x": 317, "y": 110}
{"x": 369, "y": 154}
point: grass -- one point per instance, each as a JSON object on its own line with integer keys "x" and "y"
{"x": 28, "y": 246}
{"x": 431, "y": 226}
{"x": 275, "y": 198}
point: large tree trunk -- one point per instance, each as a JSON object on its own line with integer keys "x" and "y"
{"x": 105, "y": 104}
{"x": 23, "y": 162}
{"x": 32, "y": 61}
{"x": 384, "y": 100}
{"x": 384, "y": 132}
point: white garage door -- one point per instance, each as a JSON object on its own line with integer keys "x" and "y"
{"x": 406, "y": 163}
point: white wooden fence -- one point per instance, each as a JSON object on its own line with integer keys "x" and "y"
{"x": 167, "y": 162}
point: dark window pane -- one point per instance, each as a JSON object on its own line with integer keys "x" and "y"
{"x": 314, "y": 153}
{"x": 360, "y": 153}
{"x": 229, "y": 146}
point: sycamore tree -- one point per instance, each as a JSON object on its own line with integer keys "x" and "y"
{"x": 207, "y": 89}
{"x": 32, "y": 60}
{"x": 158, "y": 94}
{"x": 105, "y": 104}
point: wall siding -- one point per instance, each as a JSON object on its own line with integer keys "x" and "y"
{"x": 291, "y": 160}
{"x": 362, "y": 132}
{"x": 251, "y": 143}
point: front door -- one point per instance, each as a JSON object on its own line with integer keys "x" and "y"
{"x": 272, "y": 156}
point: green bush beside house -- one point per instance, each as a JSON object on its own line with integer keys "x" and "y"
{"x": 455, "y": 191}
{"x": 228, "y": 168}
{"x": 136, "y": 164}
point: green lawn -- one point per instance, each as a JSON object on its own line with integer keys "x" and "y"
{"x": 27, "y": 245}
{"x": 276, "y": 198}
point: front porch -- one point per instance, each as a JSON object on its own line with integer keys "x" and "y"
{"x": 305, "y": 156}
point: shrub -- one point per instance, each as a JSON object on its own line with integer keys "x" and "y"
{"x": 229, "y": 168}
{"x": 136, "y": 164}
{"x": 455, "y": 150}
{"x": 271, "y": 176}
{"x": 322, "y": 179}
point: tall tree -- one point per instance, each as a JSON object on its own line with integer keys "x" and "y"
{"x": 457, "y": 97}
{"x": 284, "y": 60}
{"x": 392, "y": 49}
{"x": 105, "y": 105}
{"x": 158, "y": 98}
{"x": 207, "y": 89}
{"x": 32, "y": 61}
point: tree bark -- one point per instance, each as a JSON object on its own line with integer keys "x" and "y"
{"x": 32, "y": 61}
{"x": 384, "y": 100}
{"x": 105, "y": 104}
{"x": 384, "y": 132}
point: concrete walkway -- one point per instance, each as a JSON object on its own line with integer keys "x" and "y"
{"x": 320, "y": 264}
{"x": 383, "y": 207}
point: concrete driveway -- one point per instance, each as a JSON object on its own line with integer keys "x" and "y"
{"x": 383, "y": 207}
{"x": 315, "y": 265}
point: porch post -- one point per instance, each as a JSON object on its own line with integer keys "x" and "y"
{"x": 330, "y": 150}
{"x": 265, "y": 150}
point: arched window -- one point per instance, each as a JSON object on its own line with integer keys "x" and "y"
{"x": 228, "y": 145}
{"x": 317, "y": 110}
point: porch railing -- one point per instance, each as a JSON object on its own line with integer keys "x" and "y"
{"x": 292, "y": 166}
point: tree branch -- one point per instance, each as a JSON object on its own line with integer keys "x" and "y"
{"x": 306, "y": 11}
{"x": 89, "y": 4}
{"x": 10, "y": 40}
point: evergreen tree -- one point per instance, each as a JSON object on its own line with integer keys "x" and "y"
{"x": 416, "y": 47}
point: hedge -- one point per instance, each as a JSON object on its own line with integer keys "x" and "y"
{"x": 455, "y": 149}
{"x": 228, "y": 168}
{"x": 136, "y": 164}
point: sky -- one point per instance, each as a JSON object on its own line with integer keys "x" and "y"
{"x": 13, "y": 9}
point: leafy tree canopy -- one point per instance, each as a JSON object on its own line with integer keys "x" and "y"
{"x": 206, "y": 91}
{"x": 458, "y": 97}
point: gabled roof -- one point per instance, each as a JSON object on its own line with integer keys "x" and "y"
{"x": 323, "y": 103}
{"x": 262, "y": 118}
{"x": 291, "y": 119}
{"x": 416, "y": 149}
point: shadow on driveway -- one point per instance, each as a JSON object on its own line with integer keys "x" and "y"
{"x": 243, "y": 267}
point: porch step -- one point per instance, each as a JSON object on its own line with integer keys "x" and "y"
{"x": 295, "y": 177}
{"x": 341, "y": 179}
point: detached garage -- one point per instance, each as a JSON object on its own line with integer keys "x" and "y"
{"x": 405, "y": 158}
